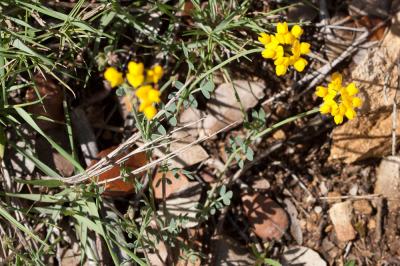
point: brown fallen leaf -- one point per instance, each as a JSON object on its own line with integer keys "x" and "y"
{"x": 119, "y": 187}
{"x": 268, "y": 220}
{"x": 52, "y": 106}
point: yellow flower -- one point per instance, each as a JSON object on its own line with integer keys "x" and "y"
{"x": 264, "y": 38}
{"x": 134, "y": 80}
{"x": 300, "y": 64}
{"x": 135, "y": 69}
{"x": 305, "y": 47}
{"x": 297, "y": 31}
{"x": 321, "y": 91}
{"x": 150, "y": 112}
{"x": 135, "y": 74}
{"x": 280, "y": 70}
{"x": 113, "y": 76}
{"x": 285, "y": 48}
{"x": 282, "y": 28}
{"x": 339, "y": 101}
{"x": 142, "y": 92}
{"x": 268, "y": 53}
{"x": 155, "y": 74}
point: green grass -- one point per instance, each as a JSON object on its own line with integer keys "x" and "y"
{"x": 36, "y": 37}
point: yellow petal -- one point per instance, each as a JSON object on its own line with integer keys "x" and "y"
{"x": 297, "y": 31}
{"x": 113, "y": 76}
{"x": 134, "y": 80}
{"x": 336, "y": 79}
{"x": 280, "y": 38}
{"x": 279, "y": 51}
{"x": 289, "y": 38}
{"x": 268, "y": 53}
{"x": 135, "y": 69}
{"x": 352, "y": 89}
{"x": 321, "y": 91}
{"x": 282, "y": 61}
{"x": 153, "y": 96}
{"x": 342, "y": 109}
{"x": 280, "y": 70}
{"x": 282, "y": 28}
{"x": 325, "y": 108}
{"x": 143, "y": 105}
{"x": 334, "y": 109}
{"x": 264, "y": 38}
{"x": 356, "y": 102}
{"x": 300, "y": 64}
{"x": 150, "y": 112}
{"x": 304, "y": 48}
{"x": 338, "y": 119}
{"x": 350, "y": 113}
{"x": 296, "y": 51}
{"x": 155, "y": 74}
{"x": 142, "y": 92}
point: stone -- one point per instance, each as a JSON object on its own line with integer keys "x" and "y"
{"x": 341, "y": 215}
{"x": 388, "y": 181}
{"x": 362, "y": 206}
{"x": 267, "y": 219}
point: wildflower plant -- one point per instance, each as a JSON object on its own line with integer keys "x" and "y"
{"x": 144, "y": 83}
{"x": 339, "y": 101}
{"x": 285, "y": 48}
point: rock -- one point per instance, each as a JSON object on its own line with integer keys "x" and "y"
{"x": 187, "y": 154}
{"x": 279, "y": 135}
{"x": 371, "y": 224}
{"x": 173, "y": 183}
{"x": 341, "y": 214}
{"x": 301, "y": 256}
{"x": 295, "y": 228}
{"x": 268, "y": 220}
{"x": 362, "y": 206}
{"x": 388, "y": 180}
{"x": 226, "y": 252}
{"x": 183, "y": 205}
{"x": 223, "y": 107}
{"x": 370, "y": 133}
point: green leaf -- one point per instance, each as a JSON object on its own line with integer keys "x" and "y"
{"x": 272, "y": 262}
{"x": 161, "y": 130}
{"x": 249, "y": 154}
{"x": 172, "y": 121}
{"x": 50, "y": 183}
{"x": 21, "y": 46}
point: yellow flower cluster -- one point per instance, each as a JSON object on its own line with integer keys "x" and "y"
{"x": 143, "y": 83}
{"x": 285, "y": 48}
{"x": 339, "y": 101}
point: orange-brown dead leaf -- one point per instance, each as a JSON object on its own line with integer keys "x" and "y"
{"x": 119, "y": 187}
